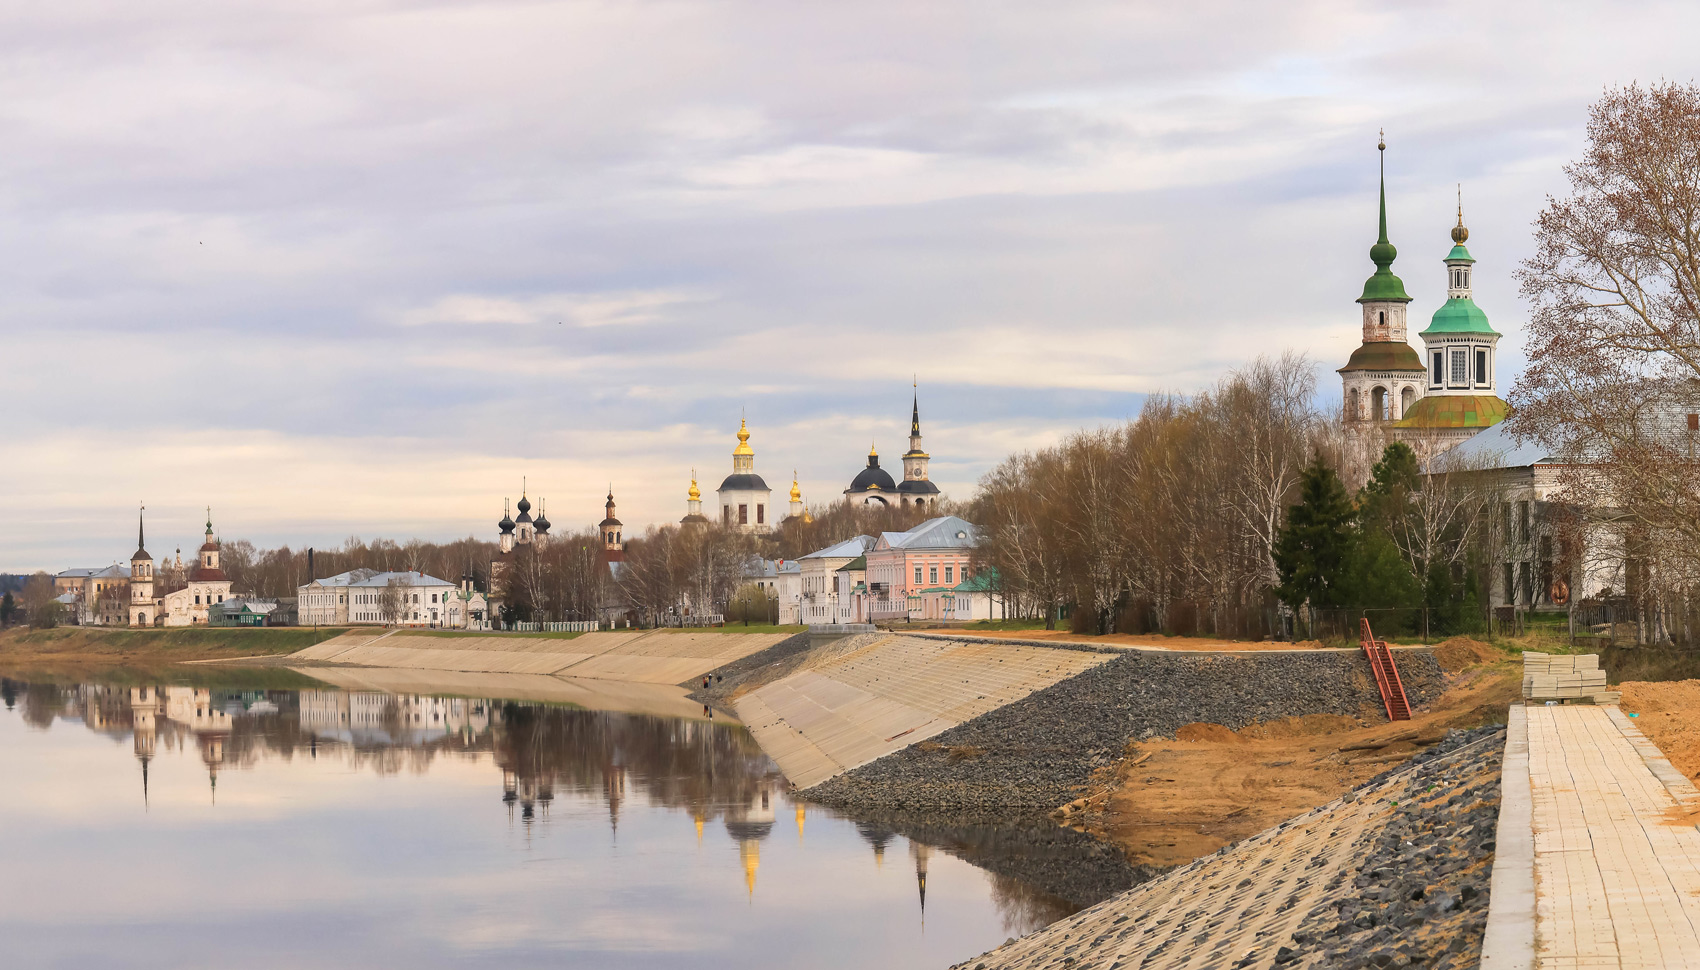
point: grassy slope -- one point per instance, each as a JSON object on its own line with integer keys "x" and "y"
{"x": 92, "y": 646}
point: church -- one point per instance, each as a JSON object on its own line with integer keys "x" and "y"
{"x": 873, "y": 485}
{"x": 1442, "y": 398}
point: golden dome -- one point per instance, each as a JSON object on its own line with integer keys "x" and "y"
{"x": 796, "y": 493}
{"x": 743, "y": 440}
{"x": 694, "y": 494}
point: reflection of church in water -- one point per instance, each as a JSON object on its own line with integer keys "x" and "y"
{"x": 703, "y": 771}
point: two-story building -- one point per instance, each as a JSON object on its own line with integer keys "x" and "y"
{"x": 912, "y": 574}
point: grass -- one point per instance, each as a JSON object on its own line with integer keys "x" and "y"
{"x": 1006, "y": 625}
{"x": 85, "y": 638}
{"x": 738, "y": 628}
{"x": 459, "y": 634}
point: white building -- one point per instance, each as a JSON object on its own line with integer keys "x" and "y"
{"x": 410, "y": 599}
{"x": 745, "y": 500}
{"x": 821, "y": 600}
{"x": 324, "y": 602}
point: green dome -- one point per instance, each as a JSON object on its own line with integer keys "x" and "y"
{"x": 1383, "y": 286}
{"x": 1437, "y": 411}
{"x": 1385, "y": 355}
{"x": 1459, "y": 255}
{"x": 1460, "y": 315}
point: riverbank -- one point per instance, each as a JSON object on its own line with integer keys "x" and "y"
{"x": 1058, "y": 743}
{"x": 1393, "y": 873}
{"x": 72, "y": 646}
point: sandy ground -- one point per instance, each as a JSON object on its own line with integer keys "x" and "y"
{"x": 1669, "y": 714}
{"x": 1170, "y": 802}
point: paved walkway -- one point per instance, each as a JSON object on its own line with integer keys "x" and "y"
{"x": 1617, "y": 854}
{"x": 890, "y": 694}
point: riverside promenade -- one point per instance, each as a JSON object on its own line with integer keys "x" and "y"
{"x": 1599, "y": 856}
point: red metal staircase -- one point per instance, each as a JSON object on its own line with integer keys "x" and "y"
{"x": 1386, "y": 674}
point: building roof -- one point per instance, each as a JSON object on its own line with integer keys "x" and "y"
{"x": 348, "y": 578}
{"x": 984, "y": 581}
{"x": 204, "y": 574}
{"x": 856, "y": 565}
{"x": 95, "y": 572}
{"x": 1496, "y": 448}
{"x": 744, "y": 482}
{"x": 771, "y": 568}
{"x": 1459, "y": 315}
{"x": 1454, "y": 411}
{"x": 855, "y": 546}
{"x": 1384, "y": 355}
{"x": 403, "y": 578}
{"x": 944, "y": 532}
{"x": 917, "y": 486}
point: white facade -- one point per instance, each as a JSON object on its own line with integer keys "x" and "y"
{"x": 324, "y": 602}
{"x": 820, "y": 600}
{"x": 783, "y": 581}
{"x": 407, "y": 599}
{"x": 746, "y": 503}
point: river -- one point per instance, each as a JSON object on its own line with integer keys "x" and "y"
{"x": 163, "y": 825}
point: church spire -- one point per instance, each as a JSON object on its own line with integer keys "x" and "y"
{"x": 1383, "y": 286}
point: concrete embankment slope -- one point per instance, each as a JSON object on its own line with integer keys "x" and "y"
{"x": 1039, "y": 752}
{"x": 647, "y": 657}
{"x": 1396, "y": 869}
{"x": 659, "y": 700}
{"x": 849, "y": 708}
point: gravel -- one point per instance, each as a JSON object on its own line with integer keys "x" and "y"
{"x": 1028, "y": 757}
{"x": 1419, "y": 892}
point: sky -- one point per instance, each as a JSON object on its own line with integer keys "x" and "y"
{"x": 359, "y": 267}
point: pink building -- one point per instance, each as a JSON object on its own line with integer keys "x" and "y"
{"x": 912, "y": 574}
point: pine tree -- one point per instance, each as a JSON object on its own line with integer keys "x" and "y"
{"x": 1312, "y": 551}
{"x": 8, "y": 606}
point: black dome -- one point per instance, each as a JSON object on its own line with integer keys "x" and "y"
{"x": 744, "y": 483}
{"x": 918, "y": 487}
{"x": 873, "y": 477}
{"x": 524, "y": 505}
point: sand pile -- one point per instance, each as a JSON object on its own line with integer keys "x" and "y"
{"x": 1668, "y": 715}
{"x": 1456, "y": 653}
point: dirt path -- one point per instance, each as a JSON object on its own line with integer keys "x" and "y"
{"x": 1155, "y": 640}
{"x": 1172, "y": 801}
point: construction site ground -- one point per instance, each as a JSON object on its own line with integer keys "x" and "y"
{"x": 1171, "y": 801}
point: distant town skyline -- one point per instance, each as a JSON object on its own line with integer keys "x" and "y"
{"x": 340, "y": 271}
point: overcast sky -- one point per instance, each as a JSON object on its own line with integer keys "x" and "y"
{"x": 346, "y": 267}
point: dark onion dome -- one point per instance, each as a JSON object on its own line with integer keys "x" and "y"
{"x": 917, "y": 486}
{"x": 744, "y": 830}
{"x": 524, "y": 505}
{"x": 506, "y": 525}
{"x": 542, "y": 524}
{"x": 605, "y": 523}
{"x": 873, "y": 478}
{"x": 747, "y": 482}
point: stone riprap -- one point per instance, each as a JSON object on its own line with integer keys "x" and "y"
{"x": 1395, "y": 873}
{"x": 1041, "y": 751}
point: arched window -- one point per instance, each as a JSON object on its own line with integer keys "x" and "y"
{"x": 1383, "y": 316}
{"x": 1352, "y": 413}
{"x": 1378, "y": 403}
{"x": 1407, "y": 397}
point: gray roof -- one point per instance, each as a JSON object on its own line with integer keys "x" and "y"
{"x": 1496, "y": 448}
{"x": 91, "y": 572}
{"x": 404, "y": 579}
{"x": 944, "y": 532}
{"x": 770, "y": 568}
{"x": 848, "y": 549}
{"x": 349, "y": 578}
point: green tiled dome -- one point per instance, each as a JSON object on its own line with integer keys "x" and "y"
{"x": 1454, "y": 411}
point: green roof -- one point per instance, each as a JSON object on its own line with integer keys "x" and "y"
{"x": 1384, "y": 355}
{"x": 984, "y": 581}
{"x": 1454, "y": 411}
{"x": 1460, "y": 315}
{"x": 855, "y": 565}
{"x": 1459, "y": 254}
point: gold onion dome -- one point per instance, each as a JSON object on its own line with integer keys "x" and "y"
{"x": 796, "y": 493}
{"x": 743, "y": 440}
{"x": 1459, "y": 233}
{"x": 695, "y": 494}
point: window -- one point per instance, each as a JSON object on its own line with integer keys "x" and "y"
{"x": 917, "y": 575}
{"x": 433, "y": 597}
{"x": 1460, "y": 366}
{"x": 743, "y": 515}
{"x": 761, "y": 513}
{"x": 1523, "y": 520}
{"x": 1481, "y": 368}
{"x": 1381, "y": 319}
{"x": 1435, "y": 378}
{"x": 197, "y": 599}
{"x": 1510, "y": 589}
{"x": 932, "y": 575}
{"x": 947, "y": 574}
{"x": 725, "y": 515}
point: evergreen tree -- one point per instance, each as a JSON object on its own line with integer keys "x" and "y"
{"x": 1312, "y": 550}
{"x": 8, "y": 606}
{"x": 1386, "y": 498}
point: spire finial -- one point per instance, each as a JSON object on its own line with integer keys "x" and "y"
{"x": 1459, "y": 232}
{"x": 140, "y": 543}
{"x": 1381, "y": 146}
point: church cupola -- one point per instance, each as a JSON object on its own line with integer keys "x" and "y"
{"x": 142, "y": 608}
{"x": 915, "y": 488}
{"x": 693, "y": 504}
{"x": 541, "y": 526}
{"x": 1460, "y": 345}
{"x": 507, "y": 529}
{"x": 796, "y": 495}
{"x": 524, "y": 529}
{"x": 1384, "y": 377}
{"x": 613, "y": 539}
{"x": 744, "y": 495}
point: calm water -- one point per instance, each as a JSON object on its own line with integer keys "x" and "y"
{"x": 160, "y": 826}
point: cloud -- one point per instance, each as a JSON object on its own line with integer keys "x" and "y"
{"x": 578, "y": 309}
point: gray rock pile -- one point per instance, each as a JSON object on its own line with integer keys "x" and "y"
{"x": 1039, "y": 752}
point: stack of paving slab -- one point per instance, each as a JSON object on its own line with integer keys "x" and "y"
{"x": 1547, "y": 677}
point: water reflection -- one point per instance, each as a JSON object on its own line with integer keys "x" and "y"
{"x": 601, "y": 765}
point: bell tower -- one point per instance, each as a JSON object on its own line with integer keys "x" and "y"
{"x": 142, "y": 607}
